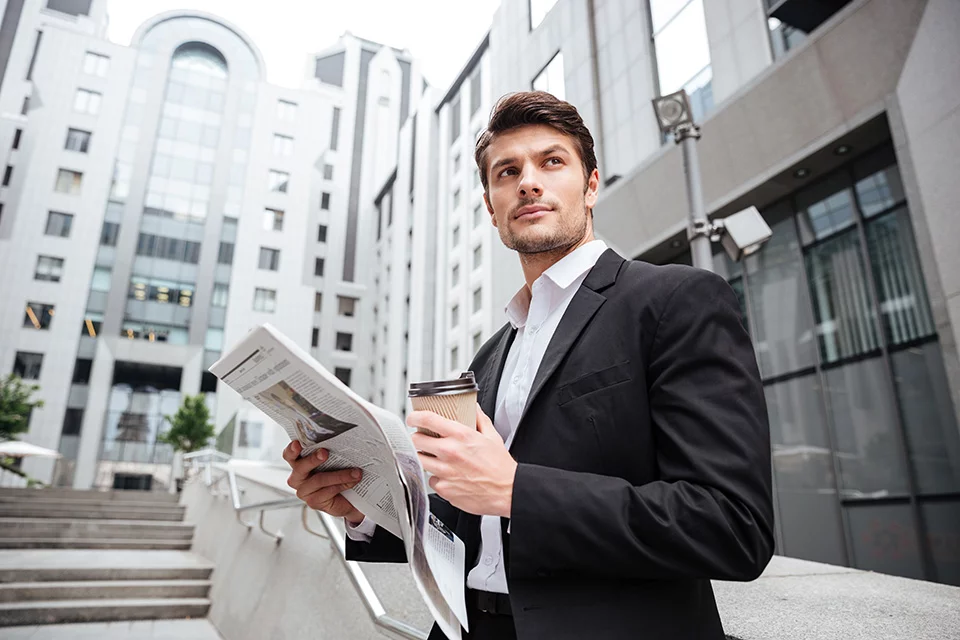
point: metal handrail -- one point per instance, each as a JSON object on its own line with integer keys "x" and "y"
{"x": 331, "y": 533}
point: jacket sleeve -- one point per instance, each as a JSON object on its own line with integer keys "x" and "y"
{"x": 710, "y": 513}
{"x": 386, "y": 547}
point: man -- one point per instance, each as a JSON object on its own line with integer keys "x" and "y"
{"x": 628, "y": 459}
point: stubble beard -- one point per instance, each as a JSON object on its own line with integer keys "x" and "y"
{"x": 566, "y": 234}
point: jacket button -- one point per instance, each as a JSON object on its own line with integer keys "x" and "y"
{"x": 543, "y": 573}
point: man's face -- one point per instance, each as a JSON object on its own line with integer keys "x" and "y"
{"x": 538, "y": 196}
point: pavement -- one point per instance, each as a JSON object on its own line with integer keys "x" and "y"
{"x": 134, "y": 630}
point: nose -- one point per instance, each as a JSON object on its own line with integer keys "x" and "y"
{"x": 529, "y": 185}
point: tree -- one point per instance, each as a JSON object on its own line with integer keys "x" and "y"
{"x": 190, "y": 427}
{"x": 16, "y": 405}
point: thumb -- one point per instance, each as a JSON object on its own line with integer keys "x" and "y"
{"x": 485, "y": 426}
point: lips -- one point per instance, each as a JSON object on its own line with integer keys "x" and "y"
{"x": 531, "y": 210}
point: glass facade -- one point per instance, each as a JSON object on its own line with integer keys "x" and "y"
{"x": 866, "y": 448}
{"x": 679, "y": 31}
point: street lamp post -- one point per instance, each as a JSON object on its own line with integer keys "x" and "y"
{"x": 741, "y": 233}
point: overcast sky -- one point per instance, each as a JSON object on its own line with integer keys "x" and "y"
{"x": 440, "y": 33}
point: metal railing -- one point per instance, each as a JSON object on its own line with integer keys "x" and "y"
{"x": 203, "y": 464}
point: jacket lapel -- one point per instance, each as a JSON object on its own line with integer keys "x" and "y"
{"x": 491, "y": 375}
{"x": 585, "y": 304}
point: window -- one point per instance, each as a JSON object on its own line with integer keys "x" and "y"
{"x": 38, "y": 315}
{"x": 550, "y": 79}
{"x": 478, "y": 215}
{"x": 36, "y": 50}
{"x": 315, "y": 337}
{"x": 269, "y": 259}
{"x": 321, "y": 233}
{"x": 272, "y": 220}
{"x": 456, "y": 197}
{"x": 344, "y": 341}
{"x": 59, "y": 224}
{"x": 454, "y": 358}
{"x": 278, "y": 181}
{"x": 49, "y": 269}
{"x": 682, "y": 52}
{"x": 325, "y": 201}
{"x": 16, "y": 138}
{"x": 214, "y": 339}
{"x": 77, "y": 140}
{"x": 477, "y": 256}
{"x": 70, "y": 7}
{"x": 264, "y": 300}
{"x": 68, "y": 182}
{"x": 538, "y": 11}
{"x": 26, "y": 106}
{"x": 27, "y": 365}
{"x": 95, "y": 64}
{"x": 456, "y": 164}
{"x": 318, "y": 267}
{"x": 101, "y": 279}
{"x": 220, "y": 295}
{"x": 475, "y": 91}
{"x": 477, "y": 341}
{"x": 455, "y": 275}
{"x": 342, "y": 374}
{"x": 477, "y": 299}
{"x": 328, "y": 172}
{"x": 161, "y": 291}
{"x": 87, "y": 102}
{"x": 455, "y": 315}
{"x": 346, "y": 306}
{"x": 286, "y": 111}
{"x": 109, "y": 233}
{"x": 250, "y": 434}
{"x": 72, "y": 422}
{"x": 317, "y": 301}
{"x": 783, "y": 37}
{"x": 7, "y": 174}
{"x": 167, "y": 248}
{"x": 456, "y": 235}
{"x": 282, "y": 145}
{"x": 335, "y": 129}
{"x": 225, "y": 254}
{"x": 455, "y": 119}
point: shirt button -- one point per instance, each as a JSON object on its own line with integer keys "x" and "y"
{"x": 516, "y": 379}
{"x": 488, "y": 560}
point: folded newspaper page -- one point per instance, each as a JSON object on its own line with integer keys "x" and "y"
{"x": 285, "y": 382}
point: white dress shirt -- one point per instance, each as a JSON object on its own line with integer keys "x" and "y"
{"x": 535, "y": 314}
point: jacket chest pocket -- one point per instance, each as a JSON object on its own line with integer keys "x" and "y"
{"x": 594, "y": 382}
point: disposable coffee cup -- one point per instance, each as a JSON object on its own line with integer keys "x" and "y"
{"x": 454, "y": 399}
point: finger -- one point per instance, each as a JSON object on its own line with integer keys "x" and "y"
{"x": 325, "y": 479}
{"x": 485, "y": 426}
{"x": 292, "y": 451}
{"x": 429, "y": 444}
{"x": 323, "y": 498}
{"x": 438, "y": 424}
{"x": 303, "y": 467}
{"x": 434, "y": 466}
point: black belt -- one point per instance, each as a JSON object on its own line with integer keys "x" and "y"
{"x": 497, "y": 604}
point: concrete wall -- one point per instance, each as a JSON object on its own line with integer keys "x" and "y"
{"x": 925, "y": 120}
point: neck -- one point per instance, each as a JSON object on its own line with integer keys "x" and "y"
{"x": 534, "y": 264}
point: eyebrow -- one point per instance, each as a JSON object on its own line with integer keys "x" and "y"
{"x": 551, "y": 150}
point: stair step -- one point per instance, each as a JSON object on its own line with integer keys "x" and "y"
{"x": 89, "y": 528}
{"x": 106, "y": 610}
{"x": 103, "y": 589}
{"x": 92, "y": 543}
{"x": 56, "y": 503}
{"x": 157, "y": 497}
{"x": 49, "y": 565}
{"x": 24, "y": 511}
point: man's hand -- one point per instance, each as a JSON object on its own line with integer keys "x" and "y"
{"x": 321, "y": 490}
{"x": 472, "y": 469}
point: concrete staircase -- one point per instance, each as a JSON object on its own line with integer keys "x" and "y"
{"x": 91, "y": 556}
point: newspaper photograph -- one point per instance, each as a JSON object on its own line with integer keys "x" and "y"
{"x": 314, "y": 407}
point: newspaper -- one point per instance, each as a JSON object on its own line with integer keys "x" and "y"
{"x": 278, "y": 377}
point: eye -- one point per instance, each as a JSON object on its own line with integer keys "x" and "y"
{"x": 509, "y": 171}
{"x": 554, "y": 161}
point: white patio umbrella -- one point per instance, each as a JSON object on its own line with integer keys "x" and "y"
{"x": 20, "y": 449}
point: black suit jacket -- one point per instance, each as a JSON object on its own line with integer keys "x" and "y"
{"x": 644, "y": 461}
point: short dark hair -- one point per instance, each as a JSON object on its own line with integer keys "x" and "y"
{"x": 524, "y": 108}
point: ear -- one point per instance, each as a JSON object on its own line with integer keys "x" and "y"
{"x": 593, "y": 189}
{"x": 493, "y": 217}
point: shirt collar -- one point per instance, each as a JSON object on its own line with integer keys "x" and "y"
{"x": 562, "y": 274}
